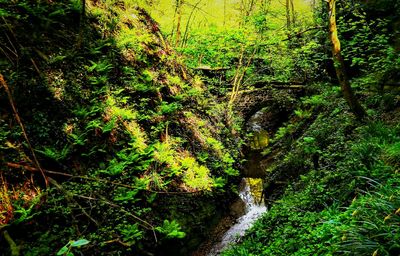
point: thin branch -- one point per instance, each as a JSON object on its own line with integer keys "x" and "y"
{"x": 143, "y": 223}
{"x": 239, "y": 76}
{"x": 36, "y": 67}
{"x": 10, "y": 98}
{"x": 33, "y": 169}
{"x": 6, "y": 55}
{"x": 198, "y": 8}
{"x": 70, "y": 199}
{"x": 185, "y": 34}
{"x": 298, "y": 34}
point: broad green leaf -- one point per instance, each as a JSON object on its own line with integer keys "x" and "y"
{"x": 79, "y": 242}
{"x": 62, "y": 251}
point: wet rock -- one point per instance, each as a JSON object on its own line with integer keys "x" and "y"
{"x": 238, "y": 208}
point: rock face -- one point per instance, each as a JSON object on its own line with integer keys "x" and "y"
{"x": 127, "y": 133}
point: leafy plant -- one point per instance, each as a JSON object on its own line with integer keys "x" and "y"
{"x": 163, "y": 153}
{"x": 23, "y": 213}
{"x": 115, "y": 167}
{"x": 131, "y": 233}
{"x": 310, "y": 146}
{"x": 100, "y": 67}
{"x": 171, "y": 229}
{"x": 169, "y": 108}
{"x": 232, "y": 172}
{"x": 392, "y": 154}
{"x": 78, "y": 139}
{"x": 198, "y": 177}
{"x": 54, "y": 154}
{"x": 67, "y": 249}
{"x": 315, "y": 100}
{"x": 303, "y": 114}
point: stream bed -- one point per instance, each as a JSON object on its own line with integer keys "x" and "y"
{"x": 250, "y": 194}
{"x": 250, "y": 205}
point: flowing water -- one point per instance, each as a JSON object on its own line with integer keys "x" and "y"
{"x": 251, "y": 195}
{"x": 251, "y": 187}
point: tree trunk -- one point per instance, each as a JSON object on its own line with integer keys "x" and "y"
{"x": 179, "y": 6}
{"x": 338, "y": 60}
{"x": 293, "y": 13}
{"x": 287, "y": 15}
{"x": 81, "y": 24}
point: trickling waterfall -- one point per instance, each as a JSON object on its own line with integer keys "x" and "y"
{"x": 250, "y": 194}
{"x": 254, "y": 208}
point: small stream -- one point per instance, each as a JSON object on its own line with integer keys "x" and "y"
{"x": 251, "y": 204}
{"x": 250, "y": 193}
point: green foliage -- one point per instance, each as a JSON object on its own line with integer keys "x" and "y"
{"x": 24, "y": 213}
{"x": 369, "y": 224}
{"x": 131, "y": 234}
{"x": 392, "y": 154}
{"x": 106, "y": 109}
{"x": 198, "y": 177}
{"x": 54, "y": 154}
{"x": 315, "y": 100}
{"x": 107, "y": 99}
{"x": 100, "y": 67}
{"x": 303, "y": 114}
{"x": 164, "y": 153}
{"x": 79, "y": 243}
{"x": 232, "y": 172}
{"x": 348, "y": 206}
{"x": 67, "y": 249}
{"x": 79, "y": 140}
{"x": 167, "y": 109}
{"x": 310, "y": 146}
{"x": 215, "y": 48}
{"x": 215, "y": 144}
{"x": 119, "y": 112}
{"x": 171, "y": 229}
{"x": 284, "y": 131}
{"x": 76, "y": 5}
{"x": 367, "y": 43}
{"x": 4, "y": 134}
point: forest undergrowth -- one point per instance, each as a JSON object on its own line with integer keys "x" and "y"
{"x": 113, "y": 146}
{"x": 341, "y": 192}
{"x": 121, "y": 137}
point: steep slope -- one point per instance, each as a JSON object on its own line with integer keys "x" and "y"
{"x": 137, "y": 154}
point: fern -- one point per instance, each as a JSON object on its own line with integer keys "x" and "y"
{"x": 130, "y": 233}
{"x": 171, "y": 229}
{"x": 54, "y": 154}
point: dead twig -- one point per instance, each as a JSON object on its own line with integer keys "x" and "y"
{"x": 36, "y": 67}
